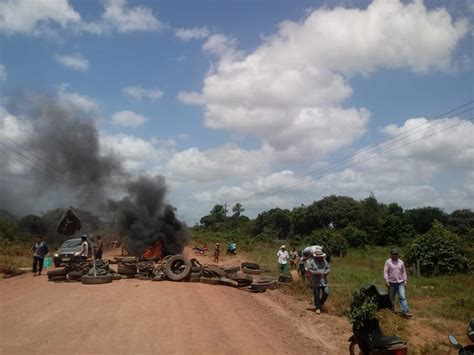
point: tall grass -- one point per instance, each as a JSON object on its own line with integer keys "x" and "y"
{"x": 443, "y": 297}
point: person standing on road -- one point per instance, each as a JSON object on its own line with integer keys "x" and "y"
{"x": 395, "y": 276}
{"x": 100, "y": 248}
{"x": 283, "y": 259}
{"x": 217, "y": 252}
{"x": 319, "y": 268}
{"x": 84, "y": 253}
{"x": 39, "y": 249}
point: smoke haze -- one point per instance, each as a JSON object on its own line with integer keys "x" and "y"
{"x": 50, "y": 157}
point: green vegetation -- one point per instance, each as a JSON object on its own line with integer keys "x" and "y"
{"x": 359, "y": 235}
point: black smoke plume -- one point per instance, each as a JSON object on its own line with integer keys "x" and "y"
{"x": 145, "y": 219}
{"x": 63, "y": 165}
{"x": 60, "y": 152}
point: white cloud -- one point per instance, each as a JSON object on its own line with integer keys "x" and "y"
{"x": 74, "y": 61}
{"x": 127, "y": 19}
{"x": 3, "y": 73}
{"x": 223, "y": 162}
{"x": 34, "y": 16}
{"x": 77, "y": 101}
{"x": 290, "y": 92}
{"x": 190, "y": 98}
{"x": 187, "y": 34}
{"x": 138, "y": 92}
{"x": 138, "y": 155}
{"x": 43, "y": 17}
{"x": 128, "y": 119}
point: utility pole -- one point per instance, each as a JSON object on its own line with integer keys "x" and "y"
{"x": 225, "y": 209}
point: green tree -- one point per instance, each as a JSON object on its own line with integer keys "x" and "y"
{"x": 274, "y": 223}
{"x": 355, "y": 237}
{"x": 461, "y": 222}
{"x": 237, "y": 209}
{"x": 340, "y": 211}
{"x": 331, "y": 240}
{"x": 422, "y": 218}
{"x": 32, "y": 224}
{"x": 439, "y": 251}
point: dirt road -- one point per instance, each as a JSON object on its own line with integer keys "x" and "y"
{"x": 144, "y": 317}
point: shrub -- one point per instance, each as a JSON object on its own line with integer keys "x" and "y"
{"x": 355, "y": 237}
{"x": 439, "y": 252}
{"x": 363, "y": 308}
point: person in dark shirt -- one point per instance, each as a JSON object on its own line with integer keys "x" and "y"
{"x": 39, "y": 250}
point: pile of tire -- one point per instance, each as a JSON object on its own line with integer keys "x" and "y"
{"x": 58, "y": 275}
{"x": 251, "y": 268}
{"x": 145, "y": 270}
{"x": 127, "y": 267}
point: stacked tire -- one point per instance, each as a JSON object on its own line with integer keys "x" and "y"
{"x": 57, "y": 274}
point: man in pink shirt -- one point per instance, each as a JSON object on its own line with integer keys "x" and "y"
{"x": 395, "y": 276}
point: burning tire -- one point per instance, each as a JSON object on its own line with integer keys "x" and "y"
{"x": 250, "y": 266}
{"x": 96, "y": 280}
{"x": 178, "y": 268}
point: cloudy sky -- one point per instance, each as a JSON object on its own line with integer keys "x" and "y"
{"x": 267, "y": 103}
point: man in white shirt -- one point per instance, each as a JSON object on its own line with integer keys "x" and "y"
{"x": 84, "y": 249}
{"x": 283, "y": 259}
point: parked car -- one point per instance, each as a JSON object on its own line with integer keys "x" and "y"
{"x": 69, "y": 251}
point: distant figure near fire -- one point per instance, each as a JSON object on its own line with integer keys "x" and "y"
{"x": 217, "y": 252}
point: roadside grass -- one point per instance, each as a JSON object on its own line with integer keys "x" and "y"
{"x": 430, "y": 298}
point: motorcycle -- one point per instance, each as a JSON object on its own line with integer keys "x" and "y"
{"x": 468, "y": 349}
{"x": 231, "y": 249}
{"x": 368, "y": 335}
{"x": 463, "y": 350}
{"x": 201, "y": 251}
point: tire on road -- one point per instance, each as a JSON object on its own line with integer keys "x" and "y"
{"x": 215, "y": 271}
{"x": 126, "y": 270}
{"x": 242, "y": 279}
{"x": 96, "y": 280}
{"x": 210, "y": 281}
{"x": 58, "y": 272}
{"x": 228, "y": 282}
{"x": 196, "y": 265}
{"x": 250, "y": 265}
{"x": 262, "y": 286}
{"x": 57, "y": 278}
{"x": 232, "y": 269}
{"x": 74, "y": 275}
{"x": 178, "y": 268}
{"x": 251, "y": 271}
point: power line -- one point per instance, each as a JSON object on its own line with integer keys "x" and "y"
{"x": 349, "y": 159}
{"x": 11, "y": 156}
{"x": 51, "y": 171}
{"x": 376, "y": 147}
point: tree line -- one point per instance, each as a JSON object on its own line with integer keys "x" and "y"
{"x": 341, "y": 222}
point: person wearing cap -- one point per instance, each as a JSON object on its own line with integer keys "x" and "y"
{"x": 217, "y": 251}
{"x": 395, "y": 276}
{"x": 283, "y": 259}
{"x": 84, "y": 253}
{"x": 319, "y": 268}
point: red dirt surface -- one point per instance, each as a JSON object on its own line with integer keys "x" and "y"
{"x": 145, "y": 317}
